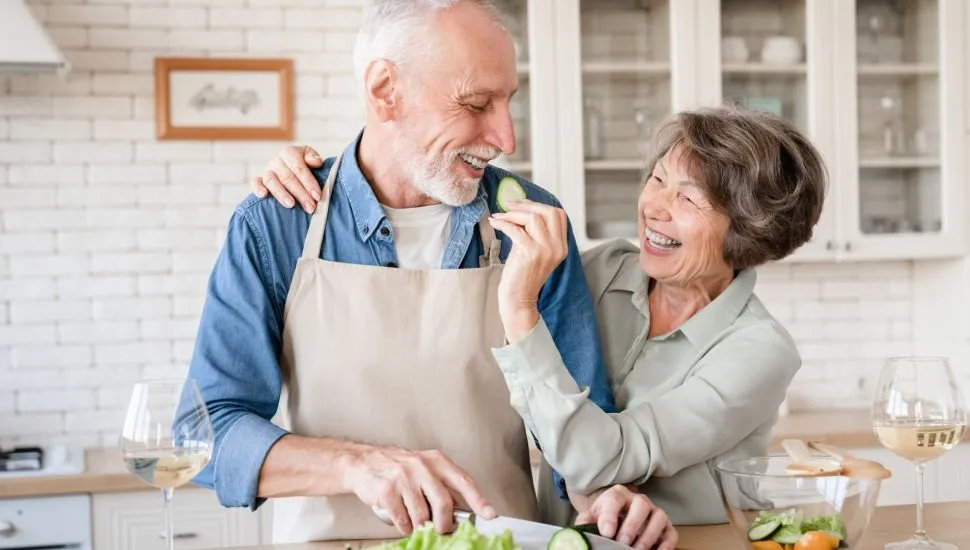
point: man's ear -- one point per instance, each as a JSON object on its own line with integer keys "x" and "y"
{"x": 382, "y": 89}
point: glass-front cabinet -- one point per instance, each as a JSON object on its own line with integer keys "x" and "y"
{"x": 879, "y": 85}
{"x": 614, "y": 58}
{"x": 517, "y": 19}
{"x": 625, "y": 72}
{"x": 907, "y": 75}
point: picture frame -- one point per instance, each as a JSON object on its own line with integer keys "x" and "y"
{"x": 223, "y": 99}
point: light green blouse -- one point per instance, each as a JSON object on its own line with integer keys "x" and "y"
{"x": 707, "y": 391}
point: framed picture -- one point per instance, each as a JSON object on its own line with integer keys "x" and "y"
{"x": 209, "y": 99}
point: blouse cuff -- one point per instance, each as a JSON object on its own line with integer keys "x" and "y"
{"x": 531, "y": 360}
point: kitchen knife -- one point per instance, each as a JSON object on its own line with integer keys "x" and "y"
{"x": 528, "y": 535}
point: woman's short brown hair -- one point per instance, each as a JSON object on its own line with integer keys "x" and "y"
{"x": 757, "y": 169}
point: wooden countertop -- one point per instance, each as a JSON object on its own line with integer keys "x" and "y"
{"x": 105, "y": 472}
{"x": 845, "y": 428}
{"x": 945, "y": 522}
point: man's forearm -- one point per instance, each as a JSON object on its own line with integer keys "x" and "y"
{"x": 307, "y": 466}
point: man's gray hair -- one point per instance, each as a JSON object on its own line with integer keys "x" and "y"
{"x": 394, "y": 29}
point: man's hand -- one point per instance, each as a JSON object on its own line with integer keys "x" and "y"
{"x": 288, "y": 178}
{"x": 405, "y": 483}
{"x": 644, "y": 526}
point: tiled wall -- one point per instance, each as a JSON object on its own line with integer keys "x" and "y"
{"x": 108, "y": 235}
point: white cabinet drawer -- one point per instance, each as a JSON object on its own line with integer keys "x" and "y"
{"x": 135, "y": 521}
{"x": 46, "y": 522}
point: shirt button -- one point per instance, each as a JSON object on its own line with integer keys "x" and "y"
{"x": 385, "y": 231}
{"x": 390, "y": 264}
{"x": 366, "y": 229}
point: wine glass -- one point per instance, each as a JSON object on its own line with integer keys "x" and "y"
{"x": 167, "y": 437}
{"x": 919, "y": 413}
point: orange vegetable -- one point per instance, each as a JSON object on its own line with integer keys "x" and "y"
{"x": 815, "y": 540}
{"x": 766, "y": 545}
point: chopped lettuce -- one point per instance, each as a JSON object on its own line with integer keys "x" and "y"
{"x": 465, "y": 537}
{"x": 829, "y": 524}
{"x": 786, "y": 527}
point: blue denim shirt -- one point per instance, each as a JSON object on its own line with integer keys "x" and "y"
{"x": 235, "y": 361}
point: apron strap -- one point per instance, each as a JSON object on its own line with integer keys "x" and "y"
{"x": 318, "y": 223}
{"x": 491, "y": 246}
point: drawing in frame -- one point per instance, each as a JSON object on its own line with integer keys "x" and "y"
{"x": 223, "y": 99}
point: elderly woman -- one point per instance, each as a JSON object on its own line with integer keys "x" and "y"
{"x": 698, "y": 366}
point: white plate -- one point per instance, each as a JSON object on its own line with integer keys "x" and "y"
{"x": 535, "y": 536}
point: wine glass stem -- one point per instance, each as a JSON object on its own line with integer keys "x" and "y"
{"x": 920, "y": 532}
{"x": 169, "y": 534}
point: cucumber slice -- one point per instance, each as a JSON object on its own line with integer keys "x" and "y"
{"x": 568, "y": 538}
{"x": 590, "y": 528}
{"x": 763, "y": 530}
{"x": 509, "y": 189}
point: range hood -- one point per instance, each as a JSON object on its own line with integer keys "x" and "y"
{"x": 24, "y": 45}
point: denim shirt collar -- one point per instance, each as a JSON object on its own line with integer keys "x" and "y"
{"x": 369, "y": 215}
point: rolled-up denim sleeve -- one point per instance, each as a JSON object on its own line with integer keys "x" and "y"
{"x": 567, "y": 309}
{"x": 235, "y": 364}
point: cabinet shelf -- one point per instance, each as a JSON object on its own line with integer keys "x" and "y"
{"x": 763, "y": 68}
{"x": 626, "y": 67}
{"x": 898, "y": 69}
{"x": 614, "y": 165}
{"x": 899, "y": 162}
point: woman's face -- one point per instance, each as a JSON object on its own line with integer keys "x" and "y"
{"x": 681, "y": 235}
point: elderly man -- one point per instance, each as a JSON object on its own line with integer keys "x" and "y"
{"x": 364, "y": 324}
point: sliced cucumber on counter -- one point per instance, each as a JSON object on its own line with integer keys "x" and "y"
{"x": 509, "y": 189}
{"x": 568, "y": 538}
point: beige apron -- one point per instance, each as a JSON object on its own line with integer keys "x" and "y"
{"x": 397, "y": 357}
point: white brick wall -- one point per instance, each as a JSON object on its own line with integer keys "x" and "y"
{"x": 108, "y": 236}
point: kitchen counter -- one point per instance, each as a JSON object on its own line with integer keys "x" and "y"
{"x": 944, "y": 522}
{"x": 105, "y": 473}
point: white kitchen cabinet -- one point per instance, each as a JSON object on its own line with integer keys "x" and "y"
{"x": 135, "y": 521}
{"x": 946, "y": 479}
{"x": 879, "y": 85}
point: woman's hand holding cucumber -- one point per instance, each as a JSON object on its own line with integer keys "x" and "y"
{"x": 539, "y": 245}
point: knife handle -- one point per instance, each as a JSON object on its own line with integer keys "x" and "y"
{"x": 459, "y": 515}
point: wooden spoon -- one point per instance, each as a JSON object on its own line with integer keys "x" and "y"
{"x": 853, "y": 466}
{"x": 804, "y": 463}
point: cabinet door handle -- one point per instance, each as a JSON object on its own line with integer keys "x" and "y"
{"x": 831, "y": 245}
{"x": 179, "y": 536}
{"x": 7, "y": 528}
{"x": 848, "y": 247}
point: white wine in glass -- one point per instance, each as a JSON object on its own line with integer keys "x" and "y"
{"x": 919, "y": 413}
{"x": 167, "y": 437}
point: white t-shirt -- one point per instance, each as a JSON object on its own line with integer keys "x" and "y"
{"x": 420, "y": 234}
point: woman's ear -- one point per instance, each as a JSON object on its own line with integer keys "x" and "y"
{"x": 381, "y": 89}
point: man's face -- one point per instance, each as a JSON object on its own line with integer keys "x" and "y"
{"x": 455, "y": 109}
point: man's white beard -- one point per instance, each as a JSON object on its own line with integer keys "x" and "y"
{"x": 432, "y": 174}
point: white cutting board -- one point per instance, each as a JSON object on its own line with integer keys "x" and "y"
{"x": 535, "y": 536}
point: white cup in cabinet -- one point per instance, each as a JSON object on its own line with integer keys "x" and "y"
{"x": 781, "y": 50}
